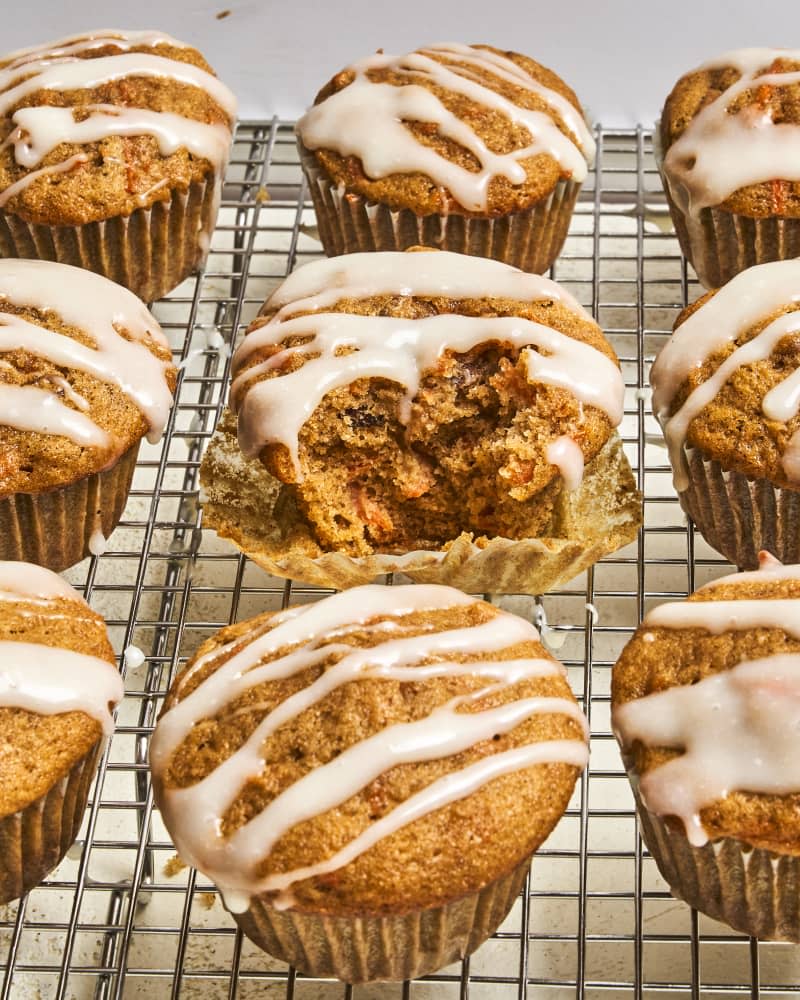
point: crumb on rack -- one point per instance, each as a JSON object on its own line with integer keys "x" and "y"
{"x": 206, "y": 900}
{"x": 174, "y": 866}
{"x": 262, "y": 195}
{"x": 223, "y": 14}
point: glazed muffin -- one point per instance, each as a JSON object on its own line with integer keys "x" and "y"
{"x": 724, "y": 393}
{"x": 729, "y": 133}
{"x": 58, "y": 685}
{"x": 405, "y": 400}
{"x": 366, "y": 778}
{"x": 459, "y": 147}
{"x": 113, "y": 146}
{"x": 706, "y": 707}
{"x": 85, "y": 374}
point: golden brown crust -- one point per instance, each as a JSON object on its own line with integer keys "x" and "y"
{"x": 696, "y": 90}
{"x": 121, "y": 174}
{"x": 452, "y": 852}
{"x": 31, "y": 462}
{"x": 732, "y": 428}
{"x": 679, "y": 657}
{"x": 420, "y": 193}
{"x": 37, "y": 751}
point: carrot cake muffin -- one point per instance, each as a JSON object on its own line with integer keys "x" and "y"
{"x": 113, "y": 146}
{"x": 366, "y": 778}
{"x": 58, "y": 685}
{"x": 454, "y": 146}
{"x": 85, "y": 374}
{"x": 406, "y": 399}
{"x": 706, "y": 707}
{"x": 725, "y": 393}
{"x": 730, "y": 138}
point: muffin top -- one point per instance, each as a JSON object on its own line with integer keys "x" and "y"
{"x": 730, "y": 134}
{"x": 448, "y": 129}
{"x": 98, "y": 125}
{"x": 58, "y": 682}
{"x": 382, "y": 750}
{"x": 706, "y": 706}
{"x": 85, "y": 373}
{"x": 727, "y": 379}
{"x": 399, "y": 316}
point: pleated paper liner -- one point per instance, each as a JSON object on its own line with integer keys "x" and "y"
{"x": 150, "y": 251}
{"x": 239, "y": 498}
{"x": 720, "y": 244}
{"x": 54, "y": 528}
{"x": 35, "y": 839}
{"x": 383, "y": 948}
{"x": 739, "y": 516}
{"x": 753, "y": 890}
{"x": 530, "y": 240}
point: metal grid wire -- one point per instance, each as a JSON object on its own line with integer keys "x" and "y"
{"x": 119, "y": 918}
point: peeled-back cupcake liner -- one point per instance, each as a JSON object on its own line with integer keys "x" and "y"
{"x": 54, "y": 528}
{"x": 605, "y": 513}
{"x": 738, "y": 515}
{"x": 35, "y": 839}
{"x": 753, "y": 890}
{"x": 393, "y": 947}
{"x": 150, "y": 251}
{"x": 530, "y": 240}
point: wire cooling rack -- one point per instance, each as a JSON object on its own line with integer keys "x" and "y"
{"x": 120, "y": 917}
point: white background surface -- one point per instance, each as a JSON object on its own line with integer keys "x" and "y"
{"x": 620, "y": 56}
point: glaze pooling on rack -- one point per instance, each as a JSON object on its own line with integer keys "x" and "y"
{"x": 719, "y": 152}
{"x": 193, "y": 814}
{"x": 68, "y": 65}
{"x": 97, "y": 307}
{"x": 739, "y": 729}
{"x": 366, "y": 119}
{"x": 275, "y": 409}
{"x": 746, "y": 299}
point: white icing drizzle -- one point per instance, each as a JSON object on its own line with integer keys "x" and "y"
{"x": 739, "y": 730}
{"x": 232, "y": 862}
{"x": 38, "y": 130}
{"x": 50, "y": 680}
{"x": 769, "y": 568}
{"x": 97, "y": 306}
{"x": 723, "y": 616}
{"x": 566, "y": 454}
{"x": 719, "y": 152}
{"x": 747, "y": 298}
{"x": 366, "y": 120}
{"x": 275, "y": 409}
{"x": 24, "y": 580}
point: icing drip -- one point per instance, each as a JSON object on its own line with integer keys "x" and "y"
{"x": 747, "y": 298}
{"x": 723, "y": 616}
{"x": 50, "y": 680}
{"x": 94, "y": 305}
{"x": 275, "y": 409}
{"x": 19, "y": 580}
{"x": 366, "y": 119}
{"x": 38, "y": 130}
{"x": 739, "y": 730}
{"x": 719, "y": 152}
{"x": 567, "y": 455}
{"x": 232, "y": 862}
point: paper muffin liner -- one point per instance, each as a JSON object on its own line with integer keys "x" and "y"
{"x": 150, "y": 251}
{"x": 753, "y": 890}
{"x": 738, "y": 515}
{"x": 35, "y": 839}
{"x": 605, "y": 513}
{"x": 362, "y": 949}
{"x": 720, "y": 244}
{"x": 54, "y": 528}
{"x": 530, "y": 240}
